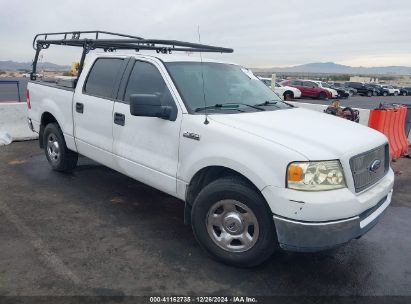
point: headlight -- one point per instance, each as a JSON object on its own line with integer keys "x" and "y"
{"x": 315, "y": 176}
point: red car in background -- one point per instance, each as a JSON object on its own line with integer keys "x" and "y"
{"x": 308, "y": 88}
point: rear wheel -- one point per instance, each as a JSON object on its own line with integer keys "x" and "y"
{"x": 58, "y": 155}
{"x": 322, "y": 95}
{"x": 233, "y": 223}
{"x": 369, "y": 93}
{"x": 385, "y": 93}
{"x": 395, "y": 93}
{"x": 404, "y": 93}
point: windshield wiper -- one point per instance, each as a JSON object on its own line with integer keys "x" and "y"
{"x": 229, "y": 105}
{"x": 245, "y": 104}
{"x": 218, "y": 106}
{"x": 267, "y": 103}
{"x": 273, "y": 103}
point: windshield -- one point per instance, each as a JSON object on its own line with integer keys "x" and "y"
{"x": 325, "y": 85}
{"x": 224, "y": 84}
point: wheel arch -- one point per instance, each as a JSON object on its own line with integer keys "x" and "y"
{"x": 208, "y": 174}
{"x": 205, "y": 176}
{"x": 46, "y": 118}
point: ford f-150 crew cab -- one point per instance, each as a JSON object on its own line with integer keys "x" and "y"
{"x": 254, "y": 172}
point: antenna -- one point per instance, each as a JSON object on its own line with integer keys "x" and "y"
{"x": 206, "y": 122}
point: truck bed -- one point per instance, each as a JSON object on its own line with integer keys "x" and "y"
{"x": 62, "y": 82}
{"x": 52, "y": 97}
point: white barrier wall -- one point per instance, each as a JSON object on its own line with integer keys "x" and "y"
{"x": 13, "y": 121}
{"x": 364, "y": 113}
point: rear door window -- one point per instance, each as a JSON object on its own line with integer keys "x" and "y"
{"x": 310, "y": 84}
{"x": 102, "y": 77}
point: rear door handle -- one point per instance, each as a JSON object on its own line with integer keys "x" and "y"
{"x": 79, "y": 107}
{"x": 119, "y": 119}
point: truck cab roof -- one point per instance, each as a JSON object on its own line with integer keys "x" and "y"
{"x": 162, "y": 57}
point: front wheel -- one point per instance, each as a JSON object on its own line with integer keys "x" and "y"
{"x": 58, "y": 155}
{"x": 395, "y": 93}
{"x": 385, "y": 94}
{"x": 404, "y": 93}
{"x": 233, "y": 223}
{"x": 369, "y": 93}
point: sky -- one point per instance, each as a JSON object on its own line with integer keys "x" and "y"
{"x": 262, "y": 33}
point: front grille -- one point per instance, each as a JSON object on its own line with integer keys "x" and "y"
{"x": 360, "y": 165}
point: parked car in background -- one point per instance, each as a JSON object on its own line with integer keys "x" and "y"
{"x": 285, "y": 92}
{"x": 392, "y": 90}
{"x": 380, "y": 90}
{"x": 339, "y": 85}
{"x": 363, "y": 89}
{"x": 405, "y": 91}
{"x": 324, "y": 85}
{"x": 341, "y": 92}
{"x": 308, "y": 88}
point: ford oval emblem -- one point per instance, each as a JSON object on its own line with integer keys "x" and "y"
{"x": 375, "y": 165}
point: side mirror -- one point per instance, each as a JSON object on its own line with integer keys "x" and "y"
{"x": 148, "y": 105}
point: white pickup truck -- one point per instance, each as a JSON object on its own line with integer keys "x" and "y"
{"x": 254, "y": 172}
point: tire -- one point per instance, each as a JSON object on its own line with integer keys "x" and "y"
{"x": 395, "y": 93}
{"x": 351, "y": 93}
{"x": 404, "y": 93}
{"x": 385, "y": 94}
{"x": 322, "y": 95}
{"x": 369, "y": 93}
{"x": 288, "y": 95}
{"x": 232, "y": 204}
{"x": 59, "y": 157}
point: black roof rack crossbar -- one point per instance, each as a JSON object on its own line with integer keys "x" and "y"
{"x": 119, "y": 41}
{"x": 77, "y": 35}
{"x": 135, "y": 44}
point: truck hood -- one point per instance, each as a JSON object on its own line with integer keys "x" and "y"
{"x": 315, "y": 135}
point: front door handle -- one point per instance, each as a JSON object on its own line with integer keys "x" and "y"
{"x": 79, "y": 107}
{"x": 119, "y": 119}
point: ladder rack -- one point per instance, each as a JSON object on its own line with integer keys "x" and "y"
{"x": 116, "y": 41}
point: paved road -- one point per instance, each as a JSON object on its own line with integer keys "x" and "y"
{"x": 97, "y": 232}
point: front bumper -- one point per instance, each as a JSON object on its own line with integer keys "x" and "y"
{"x": 314, "y": 236}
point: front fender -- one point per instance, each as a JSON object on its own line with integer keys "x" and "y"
{"x": 262, "y": 162}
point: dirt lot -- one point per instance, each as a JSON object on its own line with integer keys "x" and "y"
{"x": 97, "y": 232}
